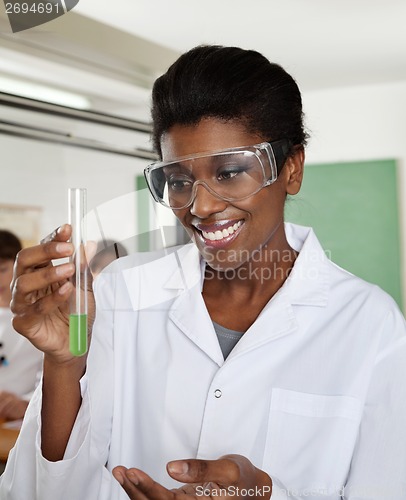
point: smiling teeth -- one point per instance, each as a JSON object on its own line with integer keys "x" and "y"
{"x": 219, "y": 235}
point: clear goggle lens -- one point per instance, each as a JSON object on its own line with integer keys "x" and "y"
{"x": 231, "y": 175}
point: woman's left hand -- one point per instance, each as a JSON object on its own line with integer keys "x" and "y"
{"x": 235, "y": 475}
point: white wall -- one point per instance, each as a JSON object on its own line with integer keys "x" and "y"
{"x": 361, "y": 123}
{"x": 39, "y": 174}
{"x": 34, "y": 173}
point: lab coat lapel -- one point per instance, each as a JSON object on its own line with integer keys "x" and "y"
{"x": 276, "y": 320}
{"x": 189, "y": 312}
{"x": 307, "y": 286}
{"x": 308, "y": 283}
{"x": 182, "y": 273}
{"x": 190, "y": 315}
{"x": 177, "y": 269}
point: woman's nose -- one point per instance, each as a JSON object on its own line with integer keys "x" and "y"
{"x": 205, "y": 202}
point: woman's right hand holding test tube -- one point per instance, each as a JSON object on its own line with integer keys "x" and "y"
{"x": 40, "y": 303}
{"x": 41, "y": 292}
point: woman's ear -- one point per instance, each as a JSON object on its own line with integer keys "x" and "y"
{"x": 294, "y": 170}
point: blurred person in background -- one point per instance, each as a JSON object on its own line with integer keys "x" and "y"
{"x": 107, "y": 251}
{"x": 20, "y": 361}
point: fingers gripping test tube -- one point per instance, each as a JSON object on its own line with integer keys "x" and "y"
{"x": 78, "y": 301}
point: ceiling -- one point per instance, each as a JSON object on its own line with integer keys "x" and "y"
{"x": 323, "y": 43}
{"x": 111, "y": 52}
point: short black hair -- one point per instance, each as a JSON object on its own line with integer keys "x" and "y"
{"x": 228, "y": 83}
{"x": 10, "y": 245}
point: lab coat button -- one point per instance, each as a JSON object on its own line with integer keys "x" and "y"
{"x": 217, "y": 393}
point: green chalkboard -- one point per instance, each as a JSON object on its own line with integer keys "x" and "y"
{"x": 353, "y": 208}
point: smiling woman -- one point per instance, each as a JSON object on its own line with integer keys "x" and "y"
{"x": 257, "y": 215}
{"x": 243, "y": 362}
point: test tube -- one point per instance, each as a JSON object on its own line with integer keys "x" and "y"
{"x": 78, "y": 300}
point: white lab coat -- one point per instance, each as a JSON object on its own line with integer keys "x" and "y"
{"x": 21, "y": 369}
{"x": 314, "y": 393}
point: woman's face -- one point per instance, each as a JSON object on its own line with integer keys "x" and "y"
{"x": 257, "y": 220}
{"x": 6, "y": 275}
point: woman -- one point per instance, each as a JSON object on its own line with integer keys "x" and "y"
{"x": 269, "y": 370}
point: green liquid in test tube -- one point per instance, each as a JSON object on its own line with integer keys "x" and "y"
{"x": 78, "y": 334}
{"x": 78, "y": 301}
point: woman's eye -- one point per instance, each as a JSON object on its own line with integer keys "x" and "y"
{"x": 229, "y": 174}
{"x": 180, "y": 184}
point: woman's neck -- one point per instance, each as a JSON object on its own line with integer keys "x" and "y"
{"x": 261, "y": 275}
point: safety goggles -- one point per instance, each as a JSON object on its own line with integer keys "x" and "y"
{"x": 230, "y": 174}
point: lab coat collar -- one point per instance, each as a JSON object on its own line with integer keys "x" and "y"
{"x": 307, "y": 284}
{"x": 183, "y": 269}
{"x": 153, "y": 279}
{"x": 181, "y": 272}
{"x": 189, "y": 270}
